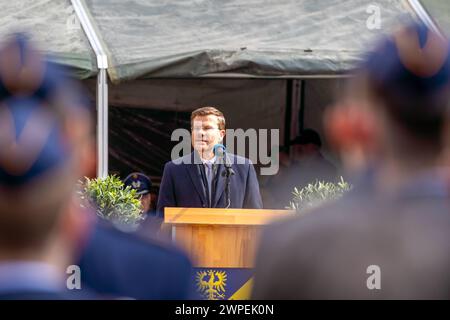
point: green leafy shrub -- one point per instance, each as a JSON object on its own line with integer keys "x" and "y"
{"x": 317, "y": 193}
{"x": 112, "y": 200}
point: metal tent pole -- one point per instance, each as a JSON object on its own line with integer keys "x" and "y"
{"x": 424, "y": 16}
{"x": 102, "y": 87}
{"x": 102, "y": 124}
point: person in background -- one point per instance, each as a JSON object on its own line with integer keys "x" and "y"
{"x": 269, "y": 184}
{"x": 151, "y": 226}
{"x": 142, "y": 184}
{"x": 307, "y": 165}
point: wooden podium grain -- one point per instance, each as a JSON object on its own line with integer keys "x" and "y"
{"x": 220, "y": 238}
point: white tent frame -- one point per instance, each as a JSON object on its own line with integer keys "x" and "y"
{"x": 102, "y": 88}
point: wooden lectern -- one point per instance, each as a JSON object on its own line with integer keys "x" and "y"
{"x": 220, "y": 238}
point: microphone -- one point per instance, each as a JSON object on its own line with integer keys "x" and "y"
{"x": 219, "y": 150}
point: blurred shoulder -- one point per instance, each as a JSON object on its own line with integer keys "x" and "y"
{"x": 142, "y": 248}
{"x": 327, "y": 217}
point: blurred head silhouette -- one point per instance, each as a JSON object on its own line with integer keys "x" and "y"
{"x": 393, "y": 111}
{"x": 307, "y": 144}
{"x": 45, "y": 146}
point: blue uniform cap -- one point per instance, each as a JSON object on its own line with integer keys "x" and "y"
{"x": 410, "y": 67}
{"x": 35, "y": 95}
{"x": 138, "y": 181}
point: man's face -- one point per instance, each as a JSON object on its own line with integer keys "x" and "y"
{"x": 305, "y": 150}
{"x": 206, "y": 134}
{"x": 146, "y": 201}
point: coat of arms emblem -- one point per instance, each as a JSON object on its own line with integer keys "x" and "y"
{"x": 211, "y": 284}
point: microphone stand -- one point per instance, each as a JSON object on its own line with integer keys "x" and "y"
{"x": 228, "y": 173}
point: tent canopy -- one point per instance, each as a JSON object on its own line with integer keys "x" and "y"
{"x": 190, "y": 38}
{"x": 181, "y": 38}
{"x": 439, "y": 10}
{"x": 54, "y": 26}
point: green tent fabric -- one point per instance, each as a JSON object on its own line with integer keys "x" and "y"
{"x": 182, "y": 38}
{"x": 55, "y": 28}
{"x": 439, "y": 11}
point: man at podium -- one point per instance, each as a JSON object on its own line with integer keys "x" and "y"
{"x": 209, "y": 177}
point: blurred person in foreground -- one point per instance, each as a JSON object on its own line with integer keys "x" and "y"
{"x": 42, "y": 154}
{"x": 388, "y": 238}
{"x": 46, "y": 145}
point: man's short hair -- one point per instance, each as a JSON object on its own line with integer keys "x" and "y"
{"x": 209, "y": 111}
{"x": 307, "y": 136}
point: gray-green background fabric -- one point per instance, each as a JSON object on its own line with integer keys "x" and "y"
{"x": 53, "y": 25}
{"x": 188, "y": 38}
{"x": 439, "y": 10}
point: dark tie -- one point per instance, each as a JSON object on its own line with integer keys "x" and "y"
{"x": 209, "y": 178}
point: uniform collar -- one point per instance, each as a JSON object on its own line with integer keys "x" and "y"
{"x": 29, "y": 276}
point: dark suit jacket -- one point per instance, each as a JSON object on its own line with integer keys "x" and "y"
{"x": 182, "y": 185}
{"x": 325, "y": 253}
{"x": 116, "y": 264}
